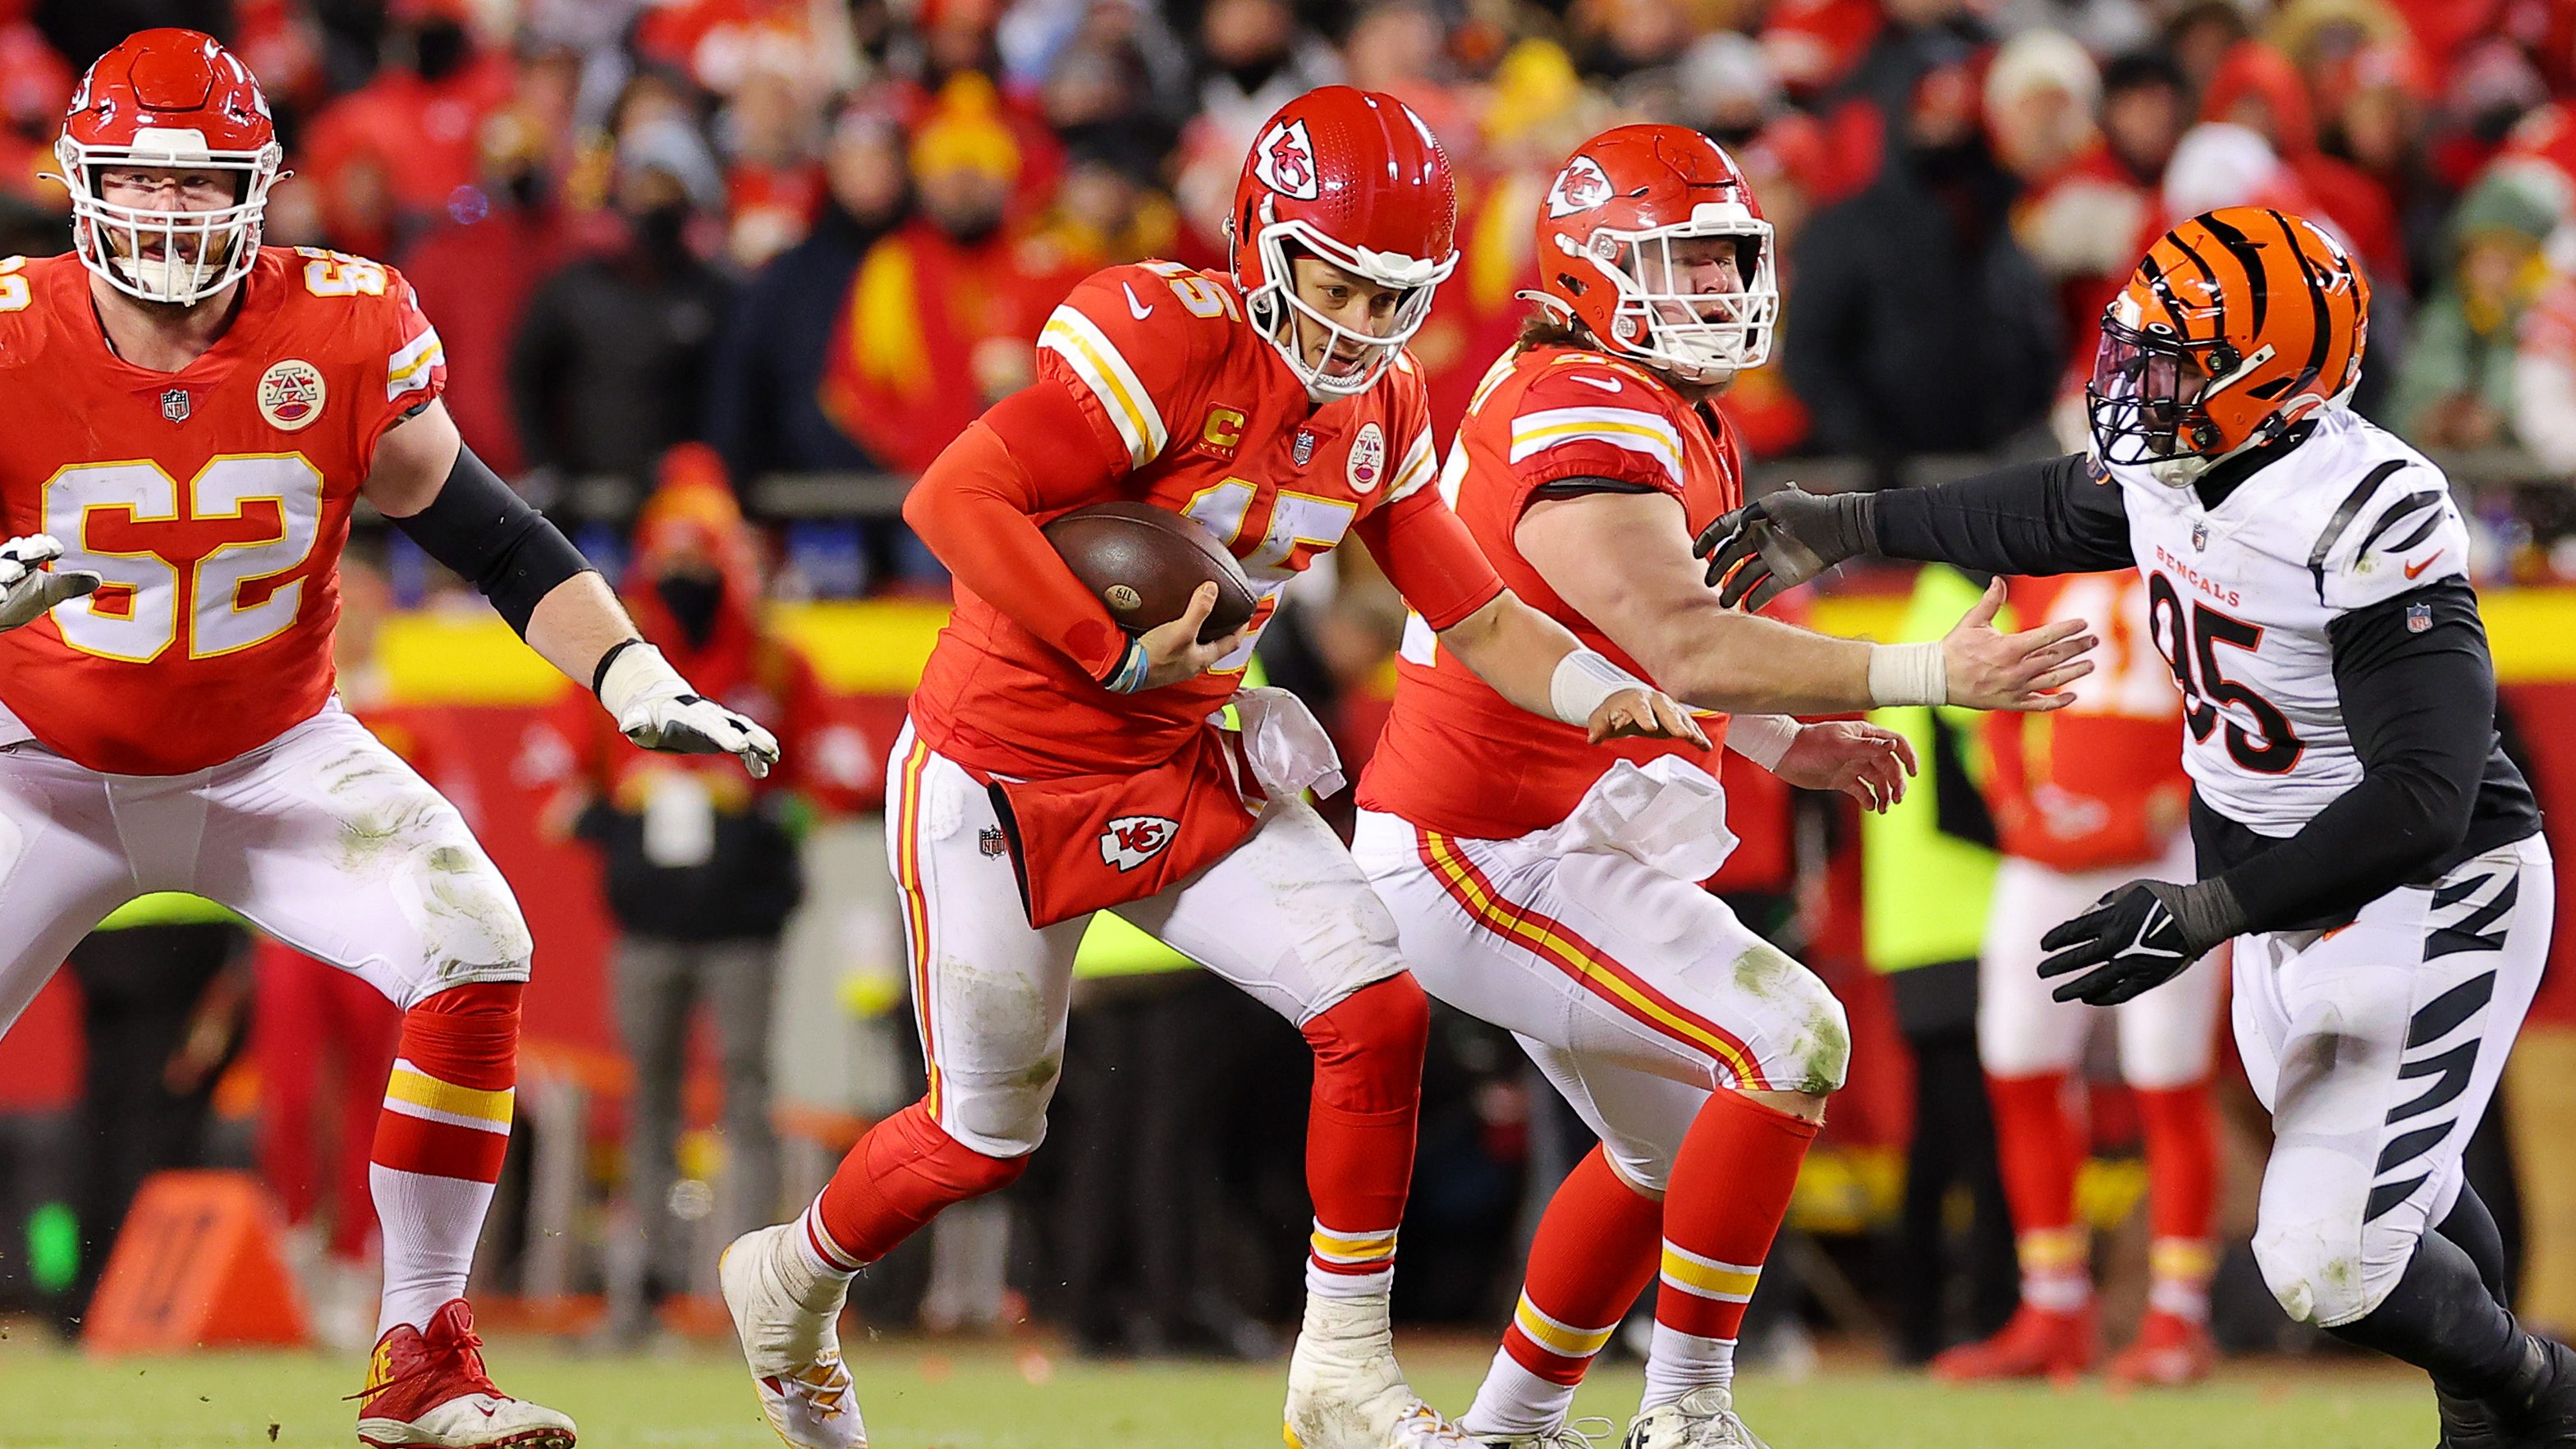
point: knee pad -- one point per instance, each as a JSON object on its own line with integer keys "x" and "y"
{"x": 1642, "y": 1165}
{"x": 1006, "y": 1117}
{"x": 1817, "y": 1054}
{"x": 2330, "y": 1268}
{"x": 1369, "y": 1045}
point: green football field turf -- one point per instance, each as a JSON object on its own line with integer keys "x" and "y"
{"x": 932, "y": 1396}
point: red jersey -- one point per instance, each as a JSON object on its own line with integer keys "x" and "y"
{"x": 213, "y": 502}
{"x": 1207, "y": 419}
{"x": 2099, "y": 783}
{"x": 1456, "y": 756}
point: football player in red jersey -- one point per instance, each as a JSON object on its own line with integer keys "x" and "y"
{"x": 1553, "y": 886}
{"x": 2084, "y": 799}
{"x": 192, "y": 416}
{"x": 1055, "y": 767}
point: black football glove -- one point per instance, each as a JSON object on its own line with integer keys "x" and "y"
{"x": 2139, "y": 937}
{"x": 1783, "y": 540}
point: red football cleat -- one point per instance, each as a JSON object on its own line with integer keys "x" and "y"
{"x": 2169, "y": 1351}
{"x": 2035, "y": 1344}
{"x": 426, "y": 1387}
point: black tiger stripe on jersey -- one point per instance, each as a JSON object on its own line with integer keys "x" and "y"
{"x": 2442, "y": 1015}
{"x": 2397, "y": 513}
{"x": 2344, "y": 514}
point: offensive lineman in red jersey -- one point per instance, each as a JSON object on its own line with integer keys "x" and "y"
{"x": 1054, "y": 767}
{"x": 1553, "y": 887}
{"x": 192, "y": 417}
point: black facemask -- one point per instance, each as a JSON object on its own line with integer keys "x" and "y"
{"x": 693, "y": 600}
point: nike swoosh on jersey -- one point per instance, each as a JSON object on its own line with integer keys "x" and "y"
{"x": 1138, "y": 310}
{"x": 1606, "y": 384}
{"x": 2415, "y": 570}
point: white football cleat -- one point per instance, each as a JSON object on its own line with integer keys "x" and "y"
{"x": 1345, "y": 1391}
{"x": 1701, "y": 1419}
{"x": 794, "y": 1349}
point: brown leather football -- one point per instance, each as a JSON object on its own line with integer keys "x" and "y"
{"x": 1144, "y": 562}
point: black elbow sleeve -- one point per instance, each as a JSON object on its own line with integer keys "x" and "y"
{"x": 485, "y": 532}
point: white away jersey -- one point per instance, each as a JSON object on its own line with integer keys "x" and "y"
{"x": 2240, "y": 596}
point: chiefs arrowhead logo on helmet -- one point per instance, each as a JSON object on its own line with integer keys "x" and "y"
{"x": 1285, "y": 161}
{"x": 1579, "y": 187}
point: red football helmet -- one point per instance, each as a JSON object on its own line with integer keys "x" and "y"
{"x": 168, "y": 98}
{"x": 1355, "y": 178}
{"x": 1606, "y": 240}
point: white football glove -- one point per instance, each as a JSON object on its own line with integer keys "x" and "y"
{"x": 28, "y": 589}
{"x": 657, "y": 709}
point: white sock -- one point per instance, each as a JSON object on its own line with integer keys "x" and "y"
{"x": 430, "y": 1224}
{"x": 1513, "y": 1402}
{"x": 1680, "y": 1362}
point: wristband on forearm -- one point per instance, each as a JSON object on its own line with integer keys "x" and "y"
{"x": 1583, "y": 679}
{"x": 1129, "y": 676}
{"x": 1908, "y": 674}
{"x": 1762, "y": 738}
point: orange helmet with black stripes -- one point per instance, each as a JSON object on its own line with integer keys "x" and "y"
{"x": 2236, "y": 324}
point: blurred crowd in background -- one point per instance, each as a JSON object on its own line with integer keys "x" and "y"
{"x": 690, "y": 246}
{"x": 820, "y": 235}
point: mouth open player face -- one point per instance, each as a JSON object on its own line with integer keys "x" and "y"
{"x": 167, "y": 189}
{"x": 1359, "y": 307}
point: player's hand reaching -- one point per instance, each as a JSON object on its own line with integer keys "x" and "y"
{"x": 1864, "y": 761}
{"x": 27, "y": 588}
{"x": 1781, "y": 541}
{"x": 658, "y": 710}
{"x": 1170, "y": 653}
{"x": 1990, "y": 669}
{"x": 2139, "y": 937}
{"x": 1644, "y": 714}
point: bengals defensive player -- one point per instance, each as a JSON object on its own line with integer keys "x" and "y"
{"x": 1054, "y": 767}
{"x": 192, "y": 416}
{"x": 2360, "y": 833}
{"x": 1553, "y": 886}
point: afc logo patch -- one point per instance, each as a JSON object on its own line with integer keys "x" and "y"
{"x": 290, "y": 395}
{"x": 1284, "y": 159}
{"x": 1222, "y": 433}
{"x": 989, "y": 842}
{"x": 1368, "y": 459}
{"x": 1581, "y": 186}
{"x": 1132, "y": 840}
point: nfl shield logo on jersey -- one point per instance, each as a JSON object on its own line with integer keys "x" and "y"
{"x": 174, "y": 404}
{"x": 1303, "y": 448}
{"x": 2419, "y": 617}
{"x": 989, "y": 841}
{"x": 1368, "y": 458}
{"x": 2200, "y": 536}
{"x": 290, "y": 395}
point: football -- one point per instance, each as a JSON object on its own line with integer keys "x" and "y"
{"x": 1144, "y": 562}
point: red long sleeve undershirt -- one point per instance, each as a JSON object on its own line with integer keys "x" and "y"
{"x": 1033, "y": 452}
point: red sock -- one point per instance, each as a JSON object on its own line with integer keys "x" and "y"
{"x": 1731, "y": 1184}
{"x": 439, "y": 1142}
{"x": 894, "y": 1179}
{"x": 1593, "y": 1254}
{"x": 2182, "y": 1197}
{"x": 2040, "y": 1151}
{"x": 1359, "y": 1132}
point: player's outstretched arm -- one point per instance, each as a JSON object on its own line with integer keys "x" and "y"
{"x": 1622, "y": 559}
{"x": 432, "y": 487}
{"x": 28, "y": 588}
{"x": 2056, "y": 517}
